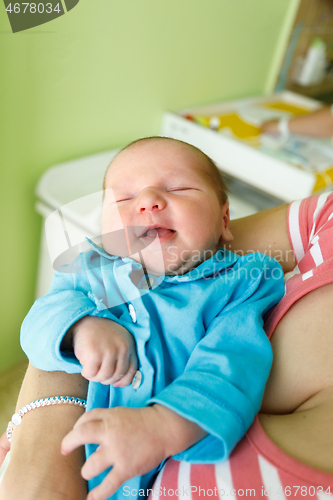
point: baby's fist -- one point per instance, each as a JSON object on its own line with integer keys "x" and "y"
{"x": 106, "y": 351}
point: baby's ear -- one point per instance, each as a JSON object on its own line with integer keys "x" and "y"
{"x": 226, "y": 233}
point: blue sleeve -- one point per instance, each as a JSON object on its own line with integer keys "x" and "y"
{"x": 47, "y": 322}
{"x": 222, "y": 386}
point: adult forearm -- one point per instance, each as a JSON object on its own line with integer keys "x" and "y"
{"x": 316, "y": 124}
{"x": 37, "y": 470}
{"x": 264, "y": 232}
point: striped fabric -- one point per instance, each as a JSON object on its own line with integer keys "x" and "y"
{"x": 310, "y": 226}
{"x": 257, "y": 468}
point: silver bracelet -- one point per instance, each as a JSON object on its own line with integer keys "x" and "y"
{"x": 55, "y": 400}
{"x": 283, "y": 128}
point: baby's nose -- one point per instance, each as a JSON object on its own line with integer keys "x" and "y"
{"x": 151, "y": 200}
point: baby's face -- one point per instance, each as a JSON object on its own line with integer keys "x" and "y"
{"x": 161, "y": 188}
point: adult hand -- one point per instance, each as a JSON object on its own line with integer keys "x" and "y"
{"x": 270, "y": 127}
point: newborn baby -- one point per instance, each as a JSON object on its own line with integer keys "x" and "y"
{"x": 162, "y": 301}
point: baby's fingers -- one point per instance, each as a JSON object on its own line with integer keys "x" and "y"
{"x": 107, "y": 369}
{"x": 124, "y": 356}
{"x": 120, "y": 367}
{"x": 96, "y": 463}
{"x": 87, "y": 432}
{"x": 90, "y": 368}
{"x": 127, "y": 378}
{"x": 109, "y": 485}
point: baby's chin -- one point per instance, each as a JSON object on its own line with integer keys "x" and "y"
{"x": 161, "y": 268}
{"x": 152, "y": 268}
{"x": 169, "y": 269}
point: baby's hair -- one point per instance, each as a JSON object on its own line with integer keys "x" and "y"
{"x": 214, "y": 174}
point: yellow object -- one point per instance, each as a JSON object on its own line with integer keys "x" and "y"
{"x": 243, "y": 130}
{"x": 203, "y": 120}
{"x": 236, "y": 125}
{"x": 323, "y": 179}
{"x": 289, "y": 108}
{"x": 251, "y": 134}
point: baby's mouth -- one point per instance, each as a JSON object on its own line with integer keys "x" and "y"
{"x": 157, "y": 231}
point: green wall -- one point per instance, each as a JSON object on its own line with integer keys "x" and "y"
{"x": 99, "y": 77}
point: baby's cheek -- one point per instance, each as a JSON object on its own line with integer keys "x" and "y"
{"x": 115, "y": 243}
{"x": 113, "y": 233}
{"x": 111, "y": 218}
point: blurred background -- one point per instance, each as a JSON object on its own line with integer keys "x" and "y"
{"x": 101, "y": 76}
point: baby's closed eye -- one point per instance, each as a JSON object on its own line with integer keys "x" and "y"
{"x": 123, "y": 199}
{"x": 172, "y": 190}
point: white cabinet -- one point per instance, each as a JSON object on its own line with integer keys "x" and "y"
{"x": 249, "y": 161}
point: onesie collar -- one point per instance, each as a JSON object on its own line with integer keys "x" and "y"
{"x": 103, "y": 253}
{"x": 221, "y": 260}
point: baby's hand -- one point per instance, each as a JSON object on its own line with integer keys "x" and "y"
{"x": 105, "y": 350}
{"x": 132, "y": 440}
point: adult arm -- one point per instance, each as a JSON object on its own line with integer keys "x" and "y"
{"x": 4, "y": 448}
{"x": 264, "y": 232}
{"x": 37, "y": 470}
{"x": 316, "y": 124}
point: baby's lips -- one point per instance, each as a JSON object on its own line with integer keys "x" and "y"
{"x": 160, "y": 231}
{"x": 153, "y": 230}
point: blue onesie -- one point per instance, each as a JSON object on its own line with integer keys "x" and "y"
{"x": 200, "y": 341}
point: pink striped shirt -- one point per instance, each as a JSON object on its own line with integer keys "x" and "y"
{"x": 257, "y": 468}
{"x": 310, "y": 226}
